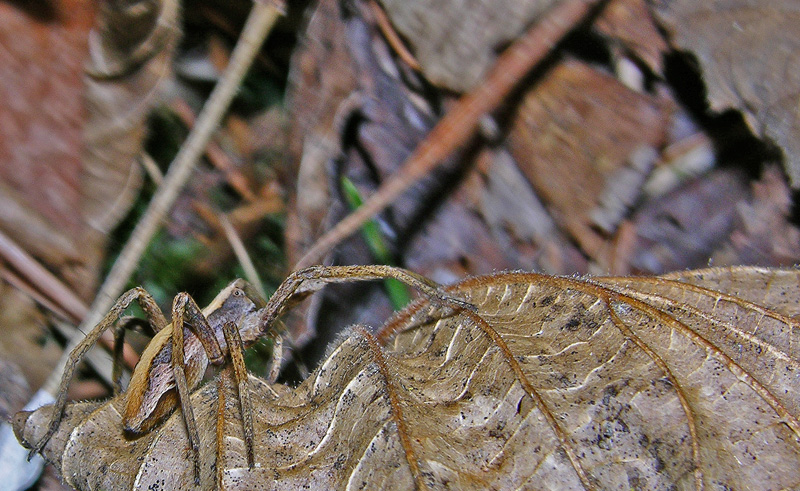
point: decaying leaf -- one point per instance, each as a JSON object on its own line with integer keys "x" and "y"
{"x": 456, "y": 41}
{"x": 683, "y": 227}
{"x": 748, "y": 55}
{"x": 69, "y": 140}
{"x": 764, "y": 233}
{"x": 318, "y": 90}
{"x": 589, "y": 176}
{"x": 629, "y": 24}
{"x": 679, "y": 381}
{"x": 131, "y": 53}
{"x": 43, "y": 50}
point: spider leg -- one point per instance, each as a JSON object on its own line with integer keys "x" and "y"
{"x": 277, "y": 359}
{"x": 123, "y": 325}
{"x": 185, "y": 308}
{"x": 154, "y": 316}
{"x": 279, "y": 338}
{"x": 120, "y": 327}
{"x": 312, "y": 279}
{"x": 235, "y": 348}
{"x": 221, "y": 426}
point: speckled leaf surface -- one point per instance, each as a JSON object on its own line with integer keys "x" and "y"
{"x": 677, "y": 381}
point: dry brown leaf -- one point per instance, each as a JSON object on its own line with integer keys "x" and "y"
{"x": 456, "y": 42}
{"x": 629, "y": 23}
{"x": 682, "y": 228}
{"x": 362, "y": 123}
{"x": 554, "y": 382}
{"x": 43, "y": 50}
{"x": 586, "y": 143}
{"x": 749, "y": 56}
{"x": 131, "y": 53}
{"x": 764, "y": 233}
{"x": 67, "y": 161}
{"x": 320, "y": 79}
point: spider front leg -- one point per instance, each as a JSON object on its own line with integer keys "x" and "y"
{"x": 185, "y": 312}
{"x": 236, "y": 349}
{"x": 154, "y": 316}
{"x": 185, "y": 308}
{"x": 312, "y": 279}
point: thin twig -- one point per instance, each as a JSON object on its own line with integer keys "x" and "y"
{"x": 242, "y": 256}
{"x": 151, "y": 167}
{"x": 260, "y": 21}
{"x": 46, "y": 281}
{"x": 20, "y": 284}
{"x": 216, "y": 156}
{"x": 100, "y": 364}
{"x": 461, "y": 122}
{"x": 46, "y": 289}
{"x": 392, "y": 37}
{"x": 49, "y": 291}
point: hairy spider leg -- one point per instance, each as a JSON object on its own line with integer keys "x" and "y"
{"x": 154, "y": 316}
{"x": 314, "y": 278}
{"x": 234, "y": 341}
{"x": 185, "y": 309}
